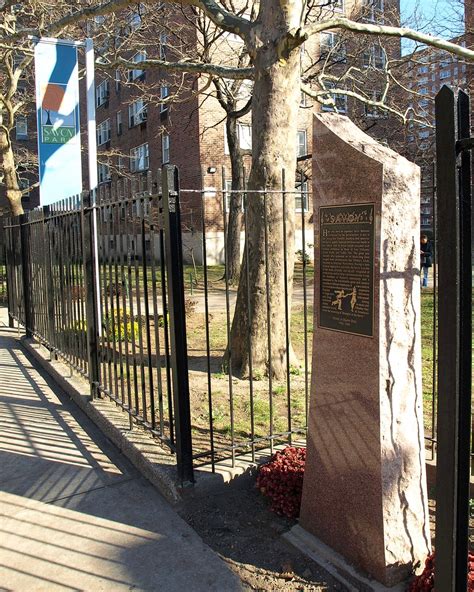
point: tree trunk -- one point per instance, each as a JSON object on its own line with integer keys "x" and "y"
{"x": 10, "y": 177}
{"x": 274, "y": 122}
{"x": 234, "y": 226}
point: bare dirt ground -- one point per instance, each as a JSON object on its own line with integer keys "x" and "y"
{"x": 236, "y": 523}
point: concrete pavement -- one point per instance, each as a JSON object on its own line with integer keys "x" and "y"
{"x": 75, "y": 515}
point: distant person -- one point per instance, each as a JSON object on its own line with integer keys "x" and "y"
{"x": 426, "y": 253}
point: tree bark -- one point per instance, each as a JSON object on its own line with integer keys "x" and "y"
{"x": 234, "y": 226}
{"x": 274, "y": 126}
{"x": 10, "y": 177}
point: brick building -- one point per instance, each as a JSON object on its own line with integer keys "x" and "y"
{"x": 429, "y": 71}
{"x": 136, "y": 135}
{"x": 144, "y": 121}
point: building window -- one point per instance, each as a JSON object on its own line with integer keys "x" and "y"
{"x": 301, "y": 197}
{"x": 245, "y": 136}
{"x": 119, "y": 123}
{"x": 228, "y": 193}
{"x": 139, "y": 158}
{"x": 137, "y": 72}
{"x": 118, "y": 81}
{"x": 120, "y": 164}
{"x": 135, "y": 19}
{"x": 373, "y": 111}
{"x": 332, "y": 47}
{"x": 339, "y": 100}
{"x": 374, "y": 57}
{"x": 444, "y": 74}
{"x": 424, "y": 134}
{"x": 102, "y": 93}
{"x": 165, "y": 148}
{"x": 423, "y": 91}
{"x": 21, "y": 128}
{"x": 244, "y": 133}
{"x": 163, "y": 45}
{"x": 301, "y": 143}
{"x": 24, "y": 185}
{"x": 103, "y": 172}
{"x": 374, "y": 10}
{"x": 137, "y": 113}
{"x": 164, "y": 93}
{"x": 103, "y": 132}
{"x": 423, "y": 70}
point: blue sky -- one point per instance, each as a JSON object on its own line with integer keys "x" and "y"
{"x": 438, "y": 17}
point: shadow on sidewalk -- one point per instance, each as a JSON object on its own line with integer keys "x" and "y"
{"x": 75, "y": 514}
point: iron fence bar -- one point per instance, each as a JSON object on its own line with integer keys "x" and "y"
{"x": 207, "y": 331}
{"x": 465, "y": 336}
{"x": 249, "y": 313}
{"x": 451, "y": 539}
{"x": 179, "y": 354}
{"x": 147, "y": 316}
{"x": 89, "y": 268}
{"x": 227, "y": 309}
{"x": 269, "y": 316}
{"x": 154, "y": 295}
{"x": 164, "y": 298}
{"x": 434, "y": 392}
{"x": 25, "y": 264}
{"x": 287, "y": 311}
{"x": 305, "y": 300}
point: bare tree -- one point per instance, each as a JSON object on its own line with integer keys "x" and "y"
{"x": 273, "y": 40}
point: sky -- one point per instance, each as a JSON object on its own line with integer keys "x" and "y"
{"x": 438, "y": 17}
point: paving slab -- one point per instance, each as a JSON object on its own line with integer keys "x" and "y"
{"x": 75, "y": 514}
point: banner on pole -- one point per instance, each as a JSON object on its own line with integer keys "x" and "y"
{"x": 57, "y": 108}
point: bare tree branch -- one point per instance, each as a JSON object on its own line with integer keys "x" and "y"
{"x": 182, "y": 66}
{"x": 387, "y": 31}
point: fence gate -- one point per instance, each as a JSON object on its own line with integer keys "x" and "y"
{"x": 453, "y": 145}
{"x": 98, "y": 279}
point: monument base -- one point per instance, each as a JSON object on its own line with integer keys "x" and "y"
{"x": 335, "y": 564}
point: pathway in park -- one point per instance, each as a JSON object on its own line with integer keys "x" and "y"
{"x": 75, "y": 515}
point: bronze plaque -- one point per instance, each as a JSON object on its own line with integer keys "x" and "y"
{"x": 346, "y": 259}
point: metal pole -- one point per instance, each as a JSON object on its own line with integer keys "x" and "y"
{"x": 451, "y": 534}
{"x": 179, "y": 353}
{"x": 87, "y": 216}
{"x": 92, "y": 162}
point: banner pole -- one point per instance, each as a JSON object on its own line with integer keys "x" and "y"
{"x": 92, "y": 161}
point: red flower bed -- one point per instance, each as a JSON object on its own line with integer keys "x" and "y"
{"x": 425, "y": 581}
{"x": 281, "y": 480}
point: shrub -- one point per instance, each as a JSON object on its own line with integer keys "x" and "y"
{"x": 281, "y": 480}
{"x": 122, "y": 325}
{"x": 425, "y": 581}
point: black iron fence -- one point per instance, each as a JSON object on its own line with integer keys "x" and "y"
{"x": 3, "y": 268}
{"x": 130, "y": 288}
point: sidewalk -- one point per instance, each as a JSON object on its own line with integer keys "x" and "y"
{"x": 75, "y": 515}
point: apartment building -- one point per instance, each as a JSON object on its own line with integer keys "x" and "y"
{"x": 184, "y": 124}
{"x": 146, "y": 118}
{"x": 428, "y": 72}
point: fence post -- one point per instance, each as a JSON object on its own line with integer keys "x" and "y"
{"x": 87, "y": 222}
{"x": 49, "y": 278}
{"x": 179, "y": 353}
{"x": 454, "y": 342}
{"x": 26, "y": 276}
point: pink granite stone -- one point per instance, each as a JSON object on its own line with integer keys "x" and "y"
{"x": 364, "y": 491}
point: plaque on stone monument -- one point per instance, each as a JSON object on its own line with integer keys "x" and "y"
{"x": 346, "y": 280}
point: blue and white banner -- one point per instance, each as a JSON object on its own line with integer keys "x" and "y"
{"x": 57, "y": 108}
